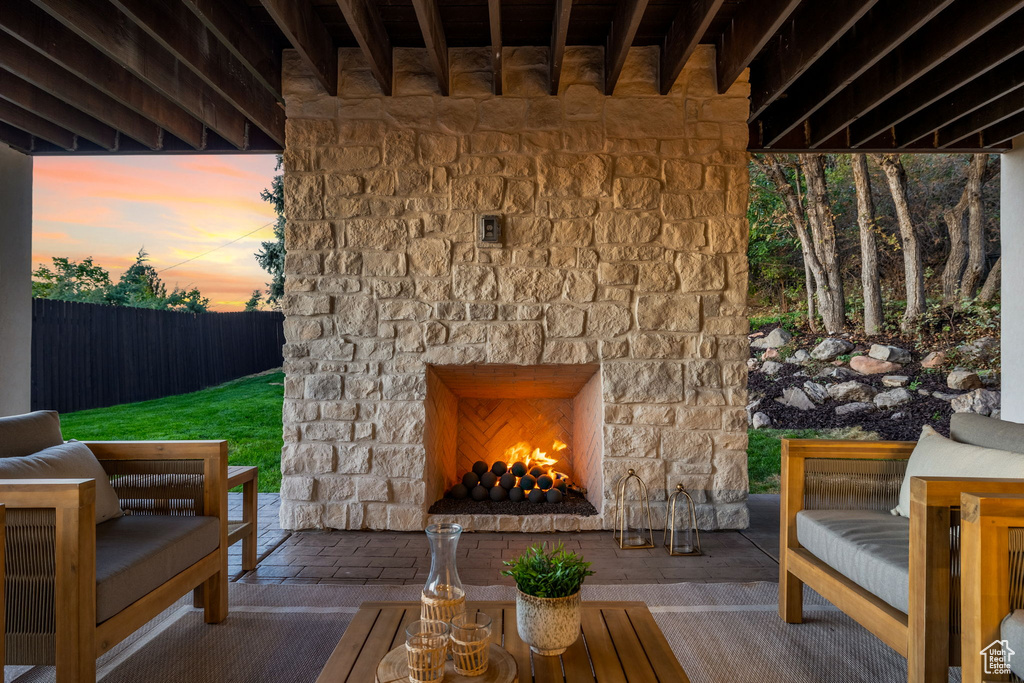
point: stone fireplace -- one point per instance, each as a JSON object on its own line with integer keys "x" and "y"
{"x": 615, "y": 297}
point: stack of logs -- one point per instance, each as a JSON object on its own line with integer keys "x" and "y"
{"x": 515, "y": 483}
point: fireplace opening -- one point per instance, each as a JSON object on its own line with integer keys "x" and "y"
{"x": 514, "y": 440}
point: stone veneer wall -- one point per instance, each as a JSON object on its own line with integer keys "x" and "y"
{"x": 625, "y": 244}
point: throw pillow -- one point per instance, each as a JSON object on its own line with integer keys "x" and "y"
{"x": 71, "y": 460}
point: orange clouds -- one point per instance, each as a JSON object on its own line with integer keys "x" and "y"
{"x": 176, "y": 207}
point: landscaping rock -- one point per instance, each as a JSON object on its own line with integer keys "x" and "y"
{"x": 776, "y": 339}
{"x": 893, "y": 354}
{"x": 895, "y": 381}
{"x": 830, "y": 348}
{"x": 761, "y": 421}
{"x": 838, "y": 373}
{"x": 751, "y": 409}
{"x": 990, "y": 378}
{"x": 935, "y": 359}
{"x": 898, "y": 416}
{"x": 752, "y": 364}
{"x": 770, "y": 354}
{"x": 887, "y": 400}
{"x": 980, "y": 401}
{"x": 964, "y": 380}
{"x": 852, "y": 391}
{"x": 772, "y": 368}
{"x": 799, "y": 358}
{"x": 866, "y": 365}
{"x": 816, "y": 392}
{"x": 854, "y": 409}
{"x": 943, "y": 397}
{"x": 794, "y": 397}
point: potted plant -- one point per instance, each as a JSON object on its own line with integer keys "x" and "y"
{"x": 548, "y": 597}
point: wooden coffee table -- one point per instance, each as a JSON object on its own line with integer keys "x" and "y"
{"x": 621, "y": 643}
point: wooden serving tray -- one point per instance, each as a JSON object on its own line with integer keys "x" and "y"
{"x": 394, "y": 668}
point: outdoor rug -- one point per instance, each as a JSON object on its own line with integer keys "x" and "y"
{"x": 721, "y": 633}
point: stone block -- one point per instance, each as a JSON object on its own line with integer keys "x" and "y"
{"x": 529, "y": 284}
{"x": 400, "y": 422}
{"x": 700, "y": 272}
{"x": 373, "y": 489}
{"x": 307, "y": 458}
{"x": 570, "y": 352}
{"x": 384, "y": 263}
{"x": 643, "y": 382}
{"x": 353, "y": 459}
{"x": 616, "y": 273}
{"x": 627, "y": 228}
{"x": 515, "y": 343}
{"x": 631, "y": 441}
{"x": 478, "y": 193}
{"x": 637, "y": 193}
{"x": 406, "y": 462}
{"x": 608, "y": 320}
{"x": 385, "y": 234}
{"x": 334, "y": 488}
{"x": 656, "y": 276}
{"x": 565, "y": 321}
{"x": 323, "y": 387}
{"x": 297, "y": 488}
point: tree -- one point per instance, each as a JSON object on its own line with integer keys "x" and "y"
{"x": 975, "y": 270}
{"x": 913, "y": 269}
{"x": 991, "y": 288}
{"x": 253, "y": 304}
{"x": 815, "y": 228}
{"x": 71, "y": 281}
{"x": 873, "y": 318}
{"x": 270, "y": 257}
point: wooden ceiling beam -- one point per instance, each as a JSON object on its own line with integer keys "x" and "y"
{"x": 879, "y": 32}
{"x": 961, "y": 23}
{"x": 808, "y": 34}
{"x": 628, "y": 14}
{"x": 749, "y": 31}
{"x": 114, "y": 34}
{"x": 980, "y": 119}
{"x": 988, "y": 87}
{"x": 1001, "y": 135}
{"x": 685, "y": 33}
{"x": 41, "y": 103}
{"x": 175, "y": 28}
{"x": 50, "y": 39}
{"x": 559, "y": 34}
{"x": 307, "y": 34}
{"x": 364, "y": 21}
{"x": 983, "y": 54}
{"x": 429, "y": 18}
{"x": 494, "y": 20}
{"x": 36, "y": 125}
{"x": 232, "y": 22}
{"x": 16, "y": 138}
{"x": 23, "y": 61}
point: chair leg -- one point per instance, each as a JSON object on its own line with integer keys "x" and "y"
{"x": 215, "y": 594}
{"x": 791, "y": 596}
{"x": 78, "y": 666}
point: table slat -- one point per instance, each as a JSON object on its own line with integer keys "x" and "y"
{"x": 599, "y": 645}
{"x": 576, "y": 663}
{"x": 516, "y": 647}
{"x": 627, "y": 645}
{"x": 546, "y": 669}
{"x": 378, "y": 644}
{"x": 409, "y": 615}
{"x": 344, "y": 656}
{"x": 659, "y": 652}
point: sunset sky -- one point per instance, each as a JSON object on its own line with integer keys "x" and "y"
{"x": 177, "y": 207}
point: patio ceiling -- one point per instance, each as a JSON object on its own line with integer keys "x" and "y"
{"x": 187, "y": 76}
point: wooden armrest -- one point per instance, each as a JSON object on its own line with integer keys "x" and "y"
{"x": 847, "y": 449}
{"x": 946, "y": 491}
{"x": 158, "y": 450}
{"x": 63, "y": 494}
{"x": 1003, "y": 510}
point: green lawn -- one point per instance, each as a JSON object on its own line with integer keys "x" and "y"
{"x": 246, "y": 412}
{"x": 764, "y": 451}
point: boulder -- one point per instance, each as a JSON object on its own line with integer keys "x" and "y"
{"x": 894, "y": 381}
{"x": 772, "y": 368}
{"x": 761, "y": 421}
{"x": 854, "y": 409}
{"x": 816, "y": 392}
{"x": 943, "y": 397}
{"x": 852, "y": 392}
{"x": 866, "y": 365}
{"x": 980, "y": 401}
{"x": 776, "y": 339}
{"x": 830, "y": 348}
{"x": 935, "y": 359}
{"x": 751, "y": 409}
{"x": 799, "y": 358}
{"x": 794, "y": 397}
{"x": 893, "y": 354}
{"x": 963, "y": 380}
{"x": 841, "y": 374}
{"x": 894, "y": 398}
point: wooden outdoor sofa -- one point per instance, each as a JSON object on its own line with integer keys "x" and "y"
{"x": 76, "y": 588}
{"x": 898, "y": 578}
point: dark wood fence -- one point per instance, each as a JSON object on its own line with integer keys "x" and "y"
{"x": 90, "y": 356}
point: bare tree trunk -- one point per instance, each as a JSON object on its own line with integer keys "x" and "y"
{"x": 831, "y": 301}
{"x": 954, "y": 268}
{"x": 774, "y": 169}
{"x": 812, "y": 319}
{"x": 913, "y": 270}
{"x": 991, "y": 288}
{"x": 873, "y": 318}
{"x": 975, "y": 229}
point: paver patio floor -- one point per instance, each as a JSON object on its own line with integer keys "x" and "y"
{"x": 375, "y": 557}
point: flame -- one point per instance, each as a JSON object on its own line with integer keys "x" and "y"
{"x": 535, "y": 458}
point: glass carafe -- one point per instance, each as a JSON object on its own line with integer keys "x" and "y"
{"x": 443, "y": 595}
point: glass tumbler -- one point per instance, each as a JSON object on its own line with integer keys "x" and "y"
{"x": 470, "y": 643}
{"x": 426, "y": 645}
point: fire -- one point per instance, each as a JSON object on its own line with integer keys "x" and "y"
{"x": 536, "y": 458}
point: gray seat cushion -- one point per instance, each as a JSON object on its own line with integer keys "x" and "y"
{"x": 26, "y": 434}
{"x": 871, "y": 548}
{"x": 1012, "y": 631}
{"x": 136, "y": 554}
{"x": 987, "y": 432}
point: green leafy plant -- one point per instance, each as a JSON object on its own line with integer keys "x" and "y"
{"x": 555, "y": 574}
{"x": 915, "y": 385}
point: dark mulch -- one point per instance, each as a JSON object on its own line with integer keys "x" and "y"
{"x": 572, "y": 504}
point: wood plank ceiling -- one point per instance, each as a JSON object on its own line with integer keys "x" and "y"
{"x": 187, "y": 76}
